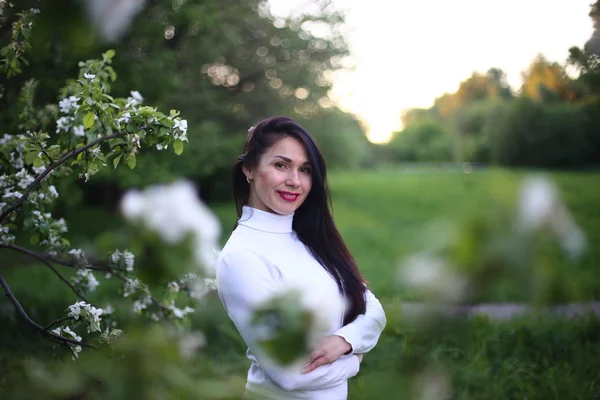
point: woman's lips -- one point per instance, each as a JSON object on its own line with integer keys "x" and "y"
{"x": 287, "y": 196}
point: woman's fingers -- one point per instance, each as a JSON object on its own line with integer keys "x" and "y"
{"x": 316, "y": 363}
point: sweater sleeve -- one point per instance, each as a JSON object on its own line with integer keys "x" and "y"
{"x": 244, "y": 281}
{"x": 363, "y": 333}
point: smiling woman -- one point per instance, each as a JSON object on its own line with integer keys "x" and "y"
{"x": 286, "y": 238}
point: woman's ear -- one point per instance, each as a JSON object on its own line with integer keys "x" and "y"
{"x": 248, "y": 172}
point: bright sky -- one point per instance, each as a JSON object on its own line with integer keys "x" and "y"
{"x": 408, "y": 52}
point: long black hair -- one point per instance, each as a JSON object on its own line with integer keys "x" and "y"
{"x": 313, "y": 221}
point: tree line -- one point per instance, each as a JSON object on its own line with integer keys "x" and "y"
{"x": 551, "y": 121}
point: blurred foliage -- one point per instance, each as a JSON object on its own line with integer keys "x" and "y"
{"x": 223, "y": 65}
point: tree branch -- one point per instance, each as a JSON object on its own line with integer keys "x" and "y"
{"x": 50, "y": 168}
{"x": 31, "y": 322}
{"x": 49, "y": 258}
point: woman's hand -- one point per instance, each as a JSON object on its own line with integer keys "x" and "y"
{"x": 329, "y": 349}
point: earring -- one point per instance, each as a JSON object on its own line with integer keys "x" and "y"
{"x": 248, "y": 180}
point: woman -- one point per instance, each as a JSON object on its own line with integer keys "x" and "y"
{"x": 286, "y": 236}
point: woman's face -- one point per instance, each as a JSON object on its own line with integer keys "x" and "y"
{"x": 282, "y": 179}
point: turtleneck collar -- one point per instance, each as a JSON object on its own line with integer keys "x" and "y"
{"x": 266, "y": 221}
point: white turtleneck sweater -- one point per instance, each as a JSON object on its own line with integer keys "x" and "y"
{"x": 263, "y": 256}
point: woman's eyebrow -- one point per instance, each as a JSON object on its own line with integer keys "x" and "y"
{"x": 289, "y": 160}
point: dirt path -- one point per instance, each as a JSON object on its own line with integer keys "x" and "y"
{"x": 503, "y": 312}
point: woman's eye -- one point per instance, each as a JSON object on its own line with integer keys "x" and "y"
{"x": 279, "y": 165}
{"x": 305, "y": 170}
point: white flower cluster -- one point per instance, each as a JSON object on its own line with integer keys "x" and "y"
{"x": 540, "y": 208}
{"x": 174, "y": 211}
{"x": 125, "y": 258}
{"x": 87, "y": 278}
{"x": 89, "y": 76}
{"x": 24, "y": 178}
{"x": 50, "y": 230}
{"x": 134, "y": 100}
{"x": 178, "y": 312}
{"x": 68, "y": 333}
{"x": 5, "y": 236}
{"x": 432, "y": 276}
{"x": 180, "y": 126}
{"x": 88, "y": 313}
{"x": 69, "y": 106}
{"x": 196, "y": 286}
{"x": 134, "y": 288}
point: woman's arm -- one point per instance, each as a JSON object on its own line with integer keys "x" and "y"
{"x": 363, "y": 333}
{"x": 244, "y": 282}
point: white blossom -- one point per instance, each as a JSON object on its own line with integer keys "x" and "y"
{"x": 189, "y": 344}
{"x": 114, "y": 257}
{"x": 34, "y": 10}
{"x": 79, "y": 130}
{"x": 89, "y": 76}
{"x": 432, "y": 276}
{"x": 86, "y": 276}
{"x": 181, "y": 126}
{"x": 201, "y": 288}
{"x": 78, "y": 253}
{"x": 136, "y": 95}
{"x": 24, "y": 178}
{"x": 129, "y": 259}
{"x": 52, "y": 191}
{"x": 173, "y": 287}
{"x": 179, "y": 312}
{"x": 174, "y": 211}
{"x": 108, "y": 309}
{"x": 139, "y": 305}
{"x": 38, "y": 170}
{"x": 75, "y": 309}
{"x": 131, "y": 286}
{"x": 63, "y": 124}
{"x": 68, "y": 105}
{"x": 540, "y": 208}
{"x": 14, "y": 194}
{"x": 5, "y": 237}
{"x": 160, "y": 146}
{"x": 74, "y": 335}
{"x": 124, "y": 118}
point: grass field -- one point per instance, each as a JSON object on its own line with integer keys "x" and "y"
{"x": 384, "y": 216}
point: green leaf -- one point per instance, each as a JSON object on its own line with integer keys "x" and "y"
{"x": 88, "y": 120}
{"x": 110, "y": 53}
{"x": 131, "y": 161}
{"x": 178, "y": 146}
{"x": 116, "y": 160}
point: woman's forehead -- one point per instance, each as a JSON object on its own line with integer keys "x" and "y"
{"x": 290, "y": 149}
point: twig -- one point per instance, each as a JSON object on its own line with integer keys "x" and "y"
{"x": 23, "y": 314}
{"x": 57, "y": 321}
{"x": 62, "y": 278}
{"x": 50, "y": 168}
{"x": 9, "y": 186}
{"x": 45, "y": 153}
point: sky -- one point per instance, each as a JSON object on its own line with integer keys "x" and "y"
{"x": 408, "y": 52}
